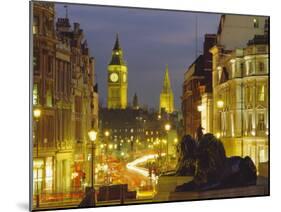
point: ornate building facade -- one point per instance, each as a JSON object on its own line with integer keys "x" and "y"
{"x": 117, "y": 79}
{"x": 63, "y": 89}
{"x": 44, "y": 54}
{"x": 166, "y": 102}
{"x": 240, "y": 96}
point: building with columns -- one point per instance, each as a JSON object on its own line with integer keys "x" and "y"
{"x": 240, "y": 97}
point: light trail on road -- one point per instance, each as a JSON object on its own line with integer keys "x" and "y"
{"x": 143, "y": 171}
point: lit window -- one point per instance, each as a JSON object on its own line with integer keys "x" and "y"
{"x": 242, "y": 68}
{"x": 261, "y": 94}
{"x": 263, "y": 154}
{"x": 250, "y": 125}
{"x": 249, "y": 94}
{"x": 261, "y": 124}
{"x": 261, "y": 67}
{"x": 49, "y": 173}
{"x": 35, "y": 94}
{"x": 256, "y": 23}
{"x": 250, "y": 67}
{"x": 36, "y": 61}
{"x": 49, "y": 98}
{"x": 35, "y": 26}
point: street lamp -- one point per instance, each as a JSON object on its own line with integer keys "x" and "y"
{"x": 93, "y": 136}
{"x": 36, "y": 115}
{"x": 220, "y": 104}
{"x": 106, "y": 133}
{"x": 167, "y": 128}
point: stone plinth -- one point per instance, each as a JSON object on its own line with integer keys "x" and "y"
{"x": 258, "y": 190}
{"x": 167, "y": 184}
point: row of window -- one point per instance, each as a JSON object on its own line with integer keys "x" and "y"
{"x": 258, "y": 67}
{"x": 63, "y": 77}
{"x": 260, "y": 93}
{"x": 250, "y": 127}
{"x": 248, "y": 93}
{"x": 46, "y": 25}
{"x": 36, "y": 94}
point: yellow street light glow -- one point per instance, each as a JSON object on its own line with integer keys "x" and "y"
{"x": 218, "y": 135}
{"x": 167, "y": 127}
{"x": 175, "y": 140}
{"x": 92, "y": 135}
{"x": 110, "y": 146}
{"x": 106, "y": 133}
{"x": 37, "y": 113}
{"x": 199, "y": 108}
{"x": 253, "y": 133}
{"x": 164, "y": 141}
{"x": 220, "y": 104}
{"x": 122, "y": 153}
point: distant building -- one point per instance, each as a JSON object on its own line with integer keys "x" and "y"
{"x": 131, "y": 130}
{"x": 166, "y": 97}
{"x": 135, "y": 102}
{"x": 197, "y": 91}
{"x": 234, "y": 31}
{"x": 117, "y": 89}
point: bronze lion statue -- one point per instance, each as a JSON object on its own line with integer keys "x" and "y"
{"x": 213, "y": 170}
{"x": 187, "y": 159}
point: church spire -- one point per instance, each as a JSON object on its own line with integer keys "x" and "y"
{"x": 135, "y": 102}
{"x": 167, "y": 83}
{"x": 166, "y": 96}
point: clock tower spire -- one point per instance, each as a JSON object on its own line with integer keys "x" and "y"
{"x": 117, "y": 84}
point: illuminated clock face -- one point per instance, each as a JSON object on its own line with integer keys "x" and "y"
{"x": 124, "y": 77}
{"x": 114, "y": 77}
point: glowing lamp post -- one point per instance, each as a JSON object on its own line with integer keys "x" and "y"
{"x": 37, "y": 115}
{"x": 106, "y": 133}
{"x": 93, "y": 136}
{"x": 220, "y": 104}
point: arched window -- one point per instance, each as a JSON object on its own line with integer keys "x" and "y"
{"x": 224, "y": 75}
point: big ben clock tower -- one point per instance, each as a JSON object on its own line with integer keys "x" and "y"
{"x": 117, "y": 79}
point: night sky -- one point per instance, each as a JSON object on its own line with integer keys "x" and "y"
{"x": 150, "y": 39}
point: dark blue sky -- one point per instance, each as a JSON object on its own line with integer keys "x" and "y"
{"x": 150, "y": 39}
